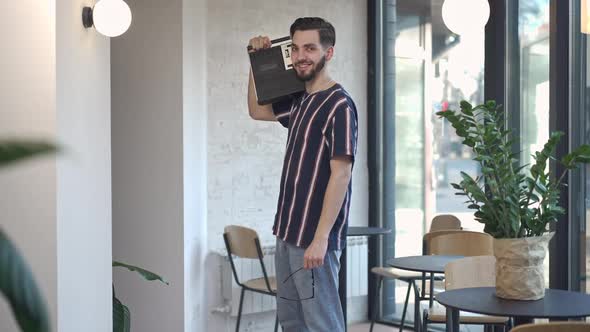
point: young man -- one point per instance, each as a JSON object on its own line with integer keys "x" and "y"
{"x": 315, "y": 190}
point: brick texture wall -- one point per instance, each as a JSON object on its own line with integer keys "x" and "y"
{"x": 245, "y": 156}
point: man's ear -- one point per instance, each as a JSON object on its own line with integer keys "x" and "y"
{"x": 329, "y": 53}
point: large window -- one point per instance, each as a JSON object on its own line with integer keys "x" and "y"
{"x": 533, "y": 30}
{"x": 564, "y": 83}
{"x": 585, "y": 131}
{"x": 533, "y": 94}
{"x": 457, "y": 75}
{"x": 545, "y": 86}
{"x": 582, "y": 131}
{"x": 579, "y": 133}
{"x": 433, "y": 70}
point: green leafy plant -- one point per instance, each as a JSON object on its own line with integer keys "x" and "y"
{"x": 511, "y": 202}
{"x": 121, "y": 314}
{"x": 17, "y": 282}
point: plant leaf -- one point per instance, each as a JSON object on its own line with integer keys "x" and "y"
{"x": 456, "y": 186}
{"x": 20, "y": 289}
{"x": 12, "y": 151}
{"x": 144, "y": 273}
{"x": 579, "y": 155}
{"x": 121, "y": 316}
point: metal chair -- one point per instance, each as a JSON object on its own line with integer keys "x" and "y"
{"x": 554, "y": 327}
{"x": 244, "y": 243}
{"x": 441, "y": 223}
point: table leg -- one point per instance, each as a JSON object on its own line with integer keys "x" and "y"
{"x": 449, "y": 320}
{"x": 452, "y": 320}
{"x": 342, "y": 285}
{"x": 417, "y": 319}
{"x": 522, "y": 320}
{"x": 430, "y": 302}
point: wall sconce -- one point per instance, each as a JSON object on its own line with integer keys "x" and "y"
{"x": 109, "y": 17}
{"x": 465, "y": 17}
{"x": 585, "y": 16}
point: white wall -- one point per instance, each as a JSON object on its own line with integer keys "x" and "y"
{"x": 245, "y": 156}
{"x": 84, "y": 247}
{"x": 194, "y": 36}
{"x": 147, "y": 163}
{"x": 59, "y": 93}
{"x": 158, "y": 146}
{"x": 27, "y": 109}
{"x": 160, "y": 88}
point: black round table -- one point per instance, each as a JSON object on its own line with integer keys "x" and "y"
{"x": 557, "y": 304}
{"x": 426, "y": 264}
{"x": 353, "y": 231}
{"x": 367, "y": 231}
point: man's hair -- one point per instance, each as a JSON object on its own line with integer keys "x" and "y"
{"x": 325, "y": 29}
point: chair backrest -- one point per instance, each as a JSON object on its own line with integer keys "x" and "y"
{"x": 554, "y": 327}
{"x": 428, "y": 237}
{"x": 440, "y": 223}
{"x": 445, "y": 222}
{"x": 461, "y": 243}
{"x": 241, "y": 241}
{"x": 244, "y": 243}
{"x": 477, "y": 271}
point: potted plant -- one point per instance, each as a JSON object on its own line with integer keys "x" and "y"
{"x": 121, "y": 313}
{"x": 517, "y": 203}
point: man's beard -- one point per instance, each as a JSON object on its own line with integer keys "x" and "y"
{"x": 313, "y": 72}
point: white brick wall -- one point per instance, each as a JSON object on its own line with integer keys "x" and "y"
{"x": 245, "y": 156}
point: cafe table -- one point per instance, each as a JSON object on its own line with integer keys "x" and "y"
{"x": 426, "y": 264}
{"x": 557, "y": 304}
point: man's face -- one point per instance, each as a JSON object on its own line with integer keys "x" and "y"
{"x": 307, "y": 54}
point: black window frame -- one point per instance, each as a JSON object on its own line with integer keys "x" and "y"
{"x": 502, "y": 75}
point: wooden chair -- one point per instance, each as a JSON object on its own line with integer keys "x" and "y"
{"x": 477, "y": 271}
{"x": 464, "y": 243}
{"x": 440, "y": 223}
{"x": 438, "y": 249}
{"x": 554, "y": 327}
{"x": 454, "y": 243}
{"x": 444, "y": 222}
{"x": 244, "y": 243}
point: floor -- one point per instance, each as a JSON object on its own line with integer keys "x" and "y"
{"x": 364, "y": 327}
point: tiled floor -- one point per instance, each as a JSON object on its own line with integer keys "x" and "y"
{"x": 377, "y": 328}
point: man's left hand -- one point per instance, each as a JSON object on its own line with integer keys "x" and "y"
{"x": 315, "y": 253}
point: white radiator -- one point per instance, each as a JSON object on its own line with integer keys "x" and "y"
{"x": 357, "y": 277}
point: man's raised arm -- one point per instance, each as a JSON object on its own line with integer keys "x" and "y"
{"x": 258, "y": 112}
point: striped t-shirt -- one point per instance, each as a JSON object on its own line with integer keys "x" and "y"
{"x": 321, "y": 125}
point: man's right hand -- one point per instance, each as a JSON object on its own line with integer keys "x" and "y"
{"x": 258, "y": 112}
{"x": 258, "y": 43}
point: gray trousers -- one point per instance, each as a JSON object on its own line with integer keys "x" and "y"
{"x": 307, "y": 300}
